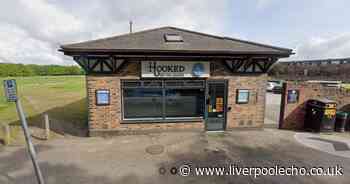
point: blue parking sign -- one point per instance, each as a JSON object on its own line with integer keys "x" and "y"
{"x": 10, "y": 90}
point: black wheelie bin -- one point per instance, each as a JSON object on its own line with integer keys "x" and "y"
{"x": 320, "y": 115}
{"x": 340, "y": 121}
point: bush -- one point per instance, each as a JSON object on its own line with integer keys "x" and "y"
{"x": 17, "y": 70}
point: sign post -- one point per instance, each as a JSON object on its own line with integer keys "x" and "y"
{"x": 11, "y": 95}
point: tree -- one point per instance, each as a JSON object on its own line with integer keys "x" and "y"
{"x": 13, "y": 70}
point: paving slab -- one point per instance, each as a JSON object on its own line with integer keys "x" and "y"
{"x": 334, "y": 145}
{"x": 125, "y": 159}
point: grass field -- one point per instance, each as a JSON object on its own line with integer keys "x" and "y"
{"x": 62, "y": 97}
{"x": 346, "y": 86}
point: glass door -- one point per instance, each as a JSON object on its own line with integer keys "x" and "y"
{"x": 216, "y": 104}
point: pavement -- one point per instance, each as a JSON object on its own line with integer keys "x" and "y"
{"x": 138, "y": 159}
{"x": 150, "y": 158}
{"x": 329, "y": 143}
{"x": 332, "y": 143}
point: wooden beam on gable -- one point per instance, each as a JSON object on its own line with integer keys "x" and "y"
{"x": 81, "y": 61}
{"x": 250, "y": 64}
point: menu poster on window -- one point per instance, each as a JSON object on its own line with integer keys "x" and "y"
{"x": 219, "y": 100}
{"x": 219, "y": 104}
{"x": 210, "y": 109}
{"x": 219, "y": 108}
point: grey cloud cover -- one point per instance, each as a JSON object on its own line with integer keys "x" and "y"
{"x": 31, "y": 31}
{"x": 338, "y": 46}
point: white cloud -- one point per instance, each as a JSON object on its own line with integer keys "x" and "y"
{"x": 31, "y": 31}
{"x": 39, "y": 27}
{"x": 18, "y": 46}
{"x": 39, "y": 19}
{"x": 33, "y": 34}
{"x": 324, "y": 47}
{"x": 262, "y": 4}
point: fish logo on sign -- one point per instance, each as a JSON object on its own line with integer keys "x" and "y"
{"x": 198, "y": 69}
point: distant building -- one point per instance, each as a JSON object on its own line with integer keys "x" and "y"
{"x": 317, "y": 61}
{"x": 336, "y": 69}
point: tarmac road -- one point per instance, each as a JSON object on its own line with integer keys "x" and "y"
{"x": 130, "y": 159}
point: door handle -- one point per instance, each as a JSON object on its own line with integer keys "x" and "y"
{"x": 229, "y": 108}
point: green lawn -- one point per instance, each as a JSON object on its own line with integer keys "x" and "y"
{"x": 62, "y": 97}
{"x": 346, "y": 86}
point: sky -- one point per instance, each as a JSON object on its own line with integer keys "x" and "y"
{"x": 32, "y": 31}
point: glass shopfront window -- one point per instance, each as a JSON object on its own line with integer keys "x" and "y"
{"x": 163, "y": 99}
{"x": 184, "y": 103}
{"x": 143, "y": 103}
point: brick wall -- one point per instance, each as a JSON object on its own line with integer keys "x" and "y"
{"x": 317, "y": 71}
{"x": 292, "y": 115}
{"x": 251, "y": 114}
{"x": 106, "y": 118}
{"x": 243, "y": 115}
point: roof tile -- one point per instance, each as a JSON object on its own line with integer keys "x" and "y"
{"x": 153, "y": 40}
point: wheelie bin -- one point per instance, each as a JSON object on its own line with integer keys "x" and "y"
{"x": 320, "y": 115}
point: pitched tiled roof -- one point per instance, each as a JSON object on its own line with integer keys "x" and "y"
{"x": 193, "y": 42}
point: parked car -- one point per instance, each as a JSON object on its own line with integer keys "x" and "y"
{"x": 270, "y": 86}
{"x": 336, "y": 84}
{"x": 274, "y": 86}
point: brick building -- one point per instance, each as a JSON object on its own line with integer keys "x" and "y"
{"x": 335, "y": 69}
{"x": 174, "y": 79}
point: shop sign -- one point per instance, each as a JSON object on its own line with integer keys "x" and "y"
{"x": 181, "y": 69}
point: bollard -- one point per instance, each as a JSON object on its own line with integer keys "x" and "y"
{"x": 47, "y": 126}
{"x": 7, "y": 134}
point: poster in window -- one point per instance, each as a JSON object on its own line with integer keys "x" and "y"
{"x": 219, "y": 104}
{"x": 102, "y": 97}
{"x": 242, "y": 96}
{"x": 293, "y": 96}
{"x": 210, "y": 109}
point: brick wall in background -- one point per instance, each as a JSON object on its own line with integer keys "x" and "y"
{"x": 292, "y": 115}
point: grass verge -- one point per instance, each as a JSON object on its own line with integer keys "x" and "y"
{"x": 62, "y": 97}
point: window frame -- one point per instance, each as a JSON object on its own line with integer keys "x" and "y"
{"x": 296, "y": 92}
{"x": 173, "y": 38}
{"x": 96, "y": 97}
{"x": 144, "y": 118}
{"x": 237, "y": 96}
{"x": 164, "y": 88}
{"x": 165, "y": 97}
